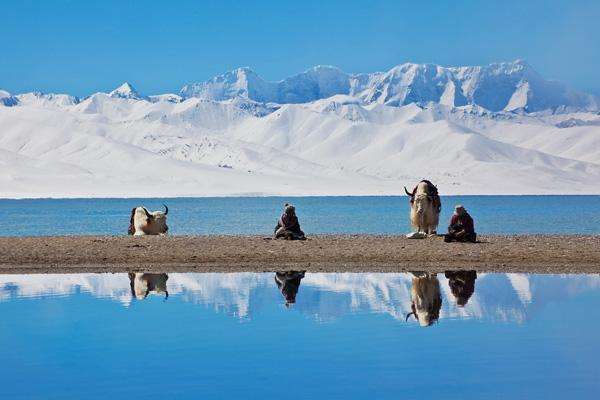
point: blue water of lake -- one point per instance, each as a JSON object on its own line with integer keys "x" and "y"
{"x": 299, "y": 336}
{"x": 257, "y": 215}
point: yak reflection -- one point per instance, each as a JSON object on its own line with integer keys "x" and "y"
{"x": 288, "y": 283}
{"x": 462, "y": 285}
{"x": 142, "y": 284}
{"x": 426, "y": 298}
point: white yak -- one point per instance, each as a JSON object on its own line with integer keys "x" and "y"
{"x": 425, "y": 207}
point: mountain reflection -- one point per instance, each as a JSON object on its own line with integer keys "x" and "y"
{"x": 288, "y": 283}
{"x": 426, "y": 298}
{"x": 509, "y": 297}
{"x": 462, "y": 285}
{"x": 142, "y": 284}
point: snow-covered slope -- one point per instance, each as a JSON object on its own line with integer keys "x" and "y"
{"x": 319, "y": 132}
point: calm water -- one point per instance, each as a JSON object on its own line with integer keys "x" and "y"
{"x": 257, "y": 215}
{"x": 345, "y": 336}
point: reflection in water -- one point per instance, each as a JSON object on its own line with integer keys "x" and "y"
{"x": 63, "y": 331}
{"x": 142, "y": 284}
{"x": 462, "y": 285}
{"x": 288, "y": 283}
{"x": 513, "y": 298}
{"x": 426, "y": 299}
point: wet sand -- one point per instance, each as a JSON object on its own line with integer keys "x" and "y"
{"x": 328, "y": 253}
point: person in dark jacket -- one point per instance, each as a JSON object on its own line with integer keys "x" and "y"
{"x": 288, "y": 226}
{"x": 462, "y": 228}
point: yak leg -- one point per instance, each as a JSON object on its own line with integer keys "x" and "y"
{"x": 433, "y": 223}
{"x": 430, "y": 228}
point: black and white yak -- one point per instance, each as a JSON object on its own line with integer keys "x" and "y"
{"x": 142, "y": 222}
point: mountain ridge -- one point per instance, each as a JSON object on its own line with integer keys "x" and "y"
{"x": 503, "y": 86}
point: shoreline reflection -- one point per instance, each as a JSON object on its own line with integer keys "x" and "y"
{"x": 142, "y": 284}
{"x": 288, "y": 283}
{"x": 426, "y": 298}
{"x": 462, "y": 295}
{"x": 462, "y": 285}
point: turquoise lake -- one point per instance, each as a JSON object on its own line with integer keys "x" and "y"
{"x": 223, "y": 336}
{"x": 318, "y": 215}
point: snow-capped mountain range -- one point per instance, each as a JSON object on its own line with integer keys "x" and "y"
{"x": 496, "y": 129}
{"x": 496, "y": 87}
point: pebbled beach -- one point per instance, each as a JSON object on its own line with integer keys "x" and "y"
{"x": 328, "y": 253}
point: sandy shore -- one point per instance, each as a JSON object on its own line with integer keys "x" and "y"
{"x": 544, "y": 254}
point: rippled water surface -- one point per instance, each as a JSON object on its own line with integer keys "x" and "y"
{"x": 257, "y": 215}
{"x": 300, "y": 335}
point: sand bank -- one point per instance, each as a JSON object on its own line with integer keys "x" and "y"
{"x": 330, "y": 253}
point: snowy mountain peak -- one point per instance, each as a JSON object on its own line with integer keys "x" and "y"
{"x": 521, "y": 62}
{"x": 8, "y": 100}
{"x": 47, "y": 99}
{"x": 244, "y": 71}
{"x": 504, "y": 86}
{"x": 125, "y": 91}
{"x": 320, "y": 69}
{"x": 516, "y": 69}
{"x": 167, "y": 97}
{"x": 240, "y": 82}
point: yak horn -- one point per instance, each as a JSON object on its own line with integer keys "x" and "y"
{"x": 408, "y": 316}
{"x": 166, "y": 209}
{"x": 407, "y": 192}
{"x": 147, "y": 213}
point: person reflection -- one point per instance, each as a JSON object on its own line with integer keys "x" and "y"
{"x": 462, "y": 285}
{"x": 142, "y": 284}
{"x": 288, "y": 283}
{"x": 426, "y": 299}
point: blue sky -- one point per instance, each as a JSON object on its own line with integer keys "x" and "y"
{"x": 82, "y": 47}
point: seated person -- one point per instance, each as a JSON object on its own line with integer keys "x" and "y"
{"x": 288, "y": 226}
{"x": 461, "y": 227}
